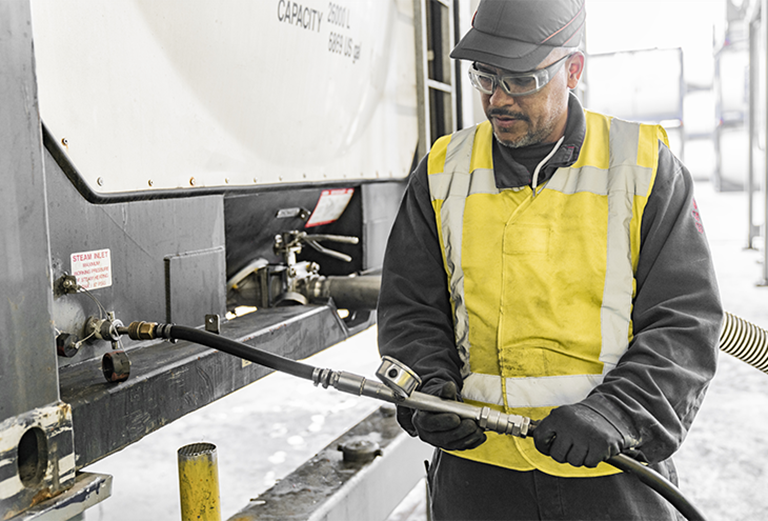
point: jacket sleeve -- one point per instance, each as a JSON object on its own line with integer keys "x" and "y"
{"x": 654, "y": 392}
{"x": 415, "y": 323}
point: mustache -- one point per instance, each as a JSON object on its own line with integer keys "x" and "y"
{"x": 507, "y": 113}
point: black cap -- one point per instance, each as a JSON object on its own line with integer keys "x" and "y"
{"x": 518, "y": 34}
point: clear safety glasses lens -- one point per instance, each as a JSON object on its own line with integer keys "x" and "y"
{"x": 518, "y": 84}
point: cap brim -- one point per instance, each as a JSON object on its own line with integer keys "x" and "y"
{"x": 505, "y": 53}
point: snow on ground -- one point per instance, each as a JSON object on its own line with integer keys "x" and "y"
{"x": 261, "y": 432}
{"x": 269, "y": 428}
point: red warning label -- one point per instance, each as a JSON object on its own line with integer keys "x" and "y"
{"x": 330, "y": 206}
{"x": 93, "y": 269}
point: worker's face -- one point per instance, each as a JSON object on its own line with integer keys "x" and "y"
{"x": 540, "y": 117}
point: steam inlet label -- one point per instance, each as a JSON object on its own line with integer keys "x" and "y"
{"x": 93, "y": 269}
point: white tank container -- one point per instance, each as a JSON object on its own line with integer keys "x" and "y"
{"x": 148, "y": 95}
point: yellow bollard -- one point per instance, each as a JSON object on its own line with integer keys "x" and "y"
{"x": 199, "y": 482}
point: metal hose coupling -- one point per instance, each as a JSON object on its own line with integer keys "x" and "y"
{"x": 512, "y": 424}
{"x": 394, "y": 392}
{"x": 140, "y": 330}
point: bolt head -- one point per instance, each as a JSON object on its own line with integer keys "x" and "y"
{"x": 360, "y": 450}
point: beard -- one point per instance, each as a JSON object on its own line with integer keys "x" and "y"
{"x": 533, "y": 136}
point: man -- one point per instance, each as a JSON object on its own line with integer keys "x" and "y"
{"x": 549, "y": 262}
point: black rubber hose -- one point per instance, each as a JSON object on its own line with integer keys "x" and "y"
{"x": 658, "y": 483}
{"x": 240, "y": 349}
{"x": 285, "y": 365}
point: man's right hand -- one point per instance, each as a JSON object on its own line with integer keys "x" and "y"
{"x": 447, "y": 430}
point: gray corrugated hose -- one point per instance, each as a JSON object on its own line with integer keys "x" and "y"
{"x": 745, "y": 341}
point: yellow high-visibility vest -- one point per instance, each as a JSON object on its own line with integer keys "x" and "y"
{"x": 541, "y": 284}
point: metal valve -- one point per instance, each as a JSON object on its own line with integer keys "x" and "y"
{"x": 115, "y": 365}
{"x": 290, "y": 244}
{"x": 398, "y": 377}
{"x": 103, "y": 328}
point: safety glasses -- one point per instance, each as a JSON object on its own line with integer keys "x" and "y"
{"x": 514, "y": 84}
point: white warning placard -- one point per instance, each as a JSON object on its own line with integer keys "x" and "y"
{"x": 93, "y": 269}
{"x": 330, "y": 206}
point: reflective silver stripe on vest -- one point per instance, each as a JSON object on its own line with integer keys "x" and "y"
{"x": 480, "y": 182}
{"x": 545, "y": 391}
{"x": 620, "y": 184}
{"x": 452, "y": 187}
{"x": 626, "y": 180}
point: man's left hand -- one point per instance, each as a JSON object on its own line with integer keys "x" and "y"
{"x": 578, "y": 435}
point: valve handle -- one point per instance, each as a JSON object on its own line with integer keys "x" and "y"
{"x": 348, "y": 239}
{"x": 331, "y": 253}
{"x": 295, "y": 238}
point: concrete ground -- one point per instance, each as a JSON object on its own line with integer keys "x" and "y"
{"x": 267, "y": 429}
{"x": 723, "y": 464}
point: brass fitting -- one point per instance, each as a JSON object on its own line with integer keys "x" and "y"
{"x": 142, "y": 330}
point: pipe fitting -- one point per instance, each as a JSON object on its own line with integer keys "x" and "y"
{"x": 116, "y": 366}
{"x": 141, "y": 330}
{"x": 103, "y": 328}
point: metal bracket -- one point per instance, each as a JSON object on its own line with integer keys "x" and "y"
{"x": 213, "y": 323}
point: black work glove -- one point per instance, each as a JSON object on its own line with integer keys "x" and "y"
{"x": 447, "y": 430}
{"x": 578, "y": 435}
{"x": 405, "y": 419}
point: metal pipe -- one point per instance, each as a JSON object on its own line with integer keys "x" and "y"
{"x": 199, "y": 482}
{"x": 754, "y": 31}
{"x": 487, "y": 418}
{"x": 510, "y": 424}
{"x": 764, "y": 281}
{"x": 358, "y": 293}
{"x": 252, "y": 288}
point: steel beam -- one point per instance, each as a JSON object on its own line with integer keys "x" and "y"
{"x": 764, "y": 276}
{"x": 169, "y": 380}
